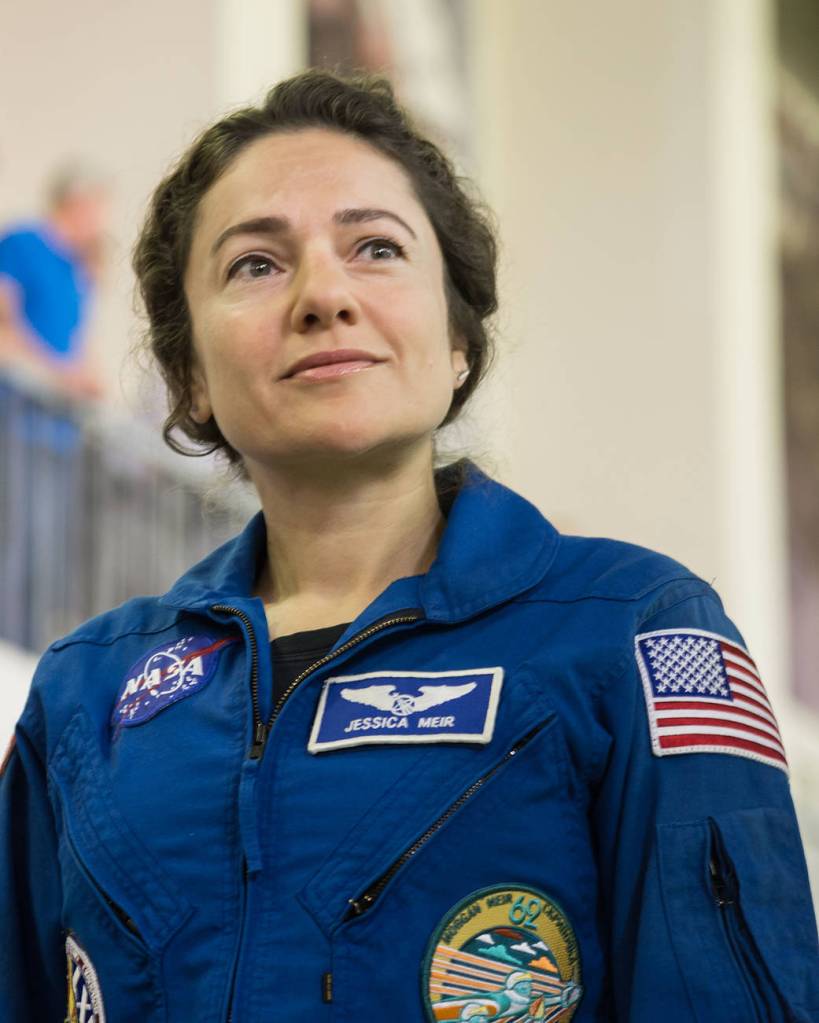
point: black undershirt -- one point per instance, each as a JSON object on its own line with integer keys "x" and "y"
{"x": 292, "y": 654}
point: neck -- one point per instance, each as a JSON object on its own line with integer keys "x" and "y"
{"x": 61, "y": 229}
{"x": 338, "y": 535}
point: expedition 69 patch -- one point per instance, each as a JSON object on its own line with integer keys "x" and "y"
{"x": 84, "y": 994}
{"x": 165, "y": 675}
{"x": 503, "y": 953}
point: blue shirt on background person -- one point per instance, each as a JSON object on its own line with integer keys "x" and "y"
{"x": 49, "y": 269}
{"x": 53, "y": 285}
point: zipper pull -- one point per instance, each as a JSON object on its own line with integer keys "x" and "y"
{"x": 359, "y": 906}
{"x": 724, "y": 882}
{"x": 724, "y": 888}
{"x": 327, "y": 987}
{"x": 260, "y": 734}
{"x": 124, "y": 918}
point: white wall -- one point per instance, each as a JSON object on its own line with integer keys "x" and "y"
{"x": 595, "y": 130}
{"x": 259, "y": 42}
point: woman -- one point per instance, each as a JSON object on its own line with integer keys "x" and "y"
{"x": 482, "y": 771}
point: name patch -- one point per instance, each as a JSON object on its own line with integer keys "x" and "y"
{"x": 406, "y": 706}
{"x": 164, "y": 676}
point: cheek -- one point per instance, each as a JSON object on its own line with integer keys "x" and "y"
{"x": 419, "y": 325}
{"x": 232, "y": 344}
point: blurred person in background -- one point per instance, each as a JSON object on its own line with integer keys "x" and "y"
{"x": 400, "y": 750}
{"x": 49, "y": 270}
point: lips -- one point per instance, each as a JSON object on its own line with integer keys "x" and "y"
{"x": 329, "y": 358}
{"x": 331, "y": 371}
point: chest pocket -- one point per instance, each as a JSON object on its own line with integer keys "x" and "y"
{"x": 117, "y": 900}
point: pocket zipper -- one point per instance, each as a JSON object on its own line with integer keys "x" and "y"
{"x": 725, "y": 888}
{"x": 114, "y": 907}
{"x": 364, "y": 902}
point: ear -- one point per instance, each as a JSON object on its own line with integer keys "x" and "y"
{"x": 457, "y": 357}
{"x": 201, "y": 409}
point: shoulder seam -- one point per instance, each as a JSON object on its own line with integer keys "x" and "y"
{"x": 73, "y": 640}
{"x": 615, "y": 597}
{"x": 707, "y": 592}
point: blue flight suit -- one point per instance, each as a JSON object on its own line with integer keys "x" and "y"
{"x": 187, "y": 851}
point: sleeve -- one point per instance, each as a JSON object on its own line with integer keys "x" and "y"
{"x": 704, "y": 882}
{"x": 14, "y": 281}
{"x": 12, "y": 258}
{"x": 32, "y": 961}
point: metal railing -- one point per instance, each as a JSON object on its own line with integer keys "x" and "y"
{"x": 94, "y": 510}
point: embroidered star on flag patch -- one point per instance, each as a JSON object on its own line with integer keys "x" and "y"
{"x": 704, "y": 695}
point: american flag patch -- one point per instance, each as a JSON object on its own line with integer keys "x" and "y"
{"x": 704, "y": 695}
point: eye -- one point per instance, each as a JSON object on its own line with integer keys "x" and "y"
{"x": 251, "y": 266}
{"x": 383, "y": 249}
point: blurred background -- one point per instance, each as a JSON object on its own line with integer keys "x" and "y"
{"x": 654, "y": 168}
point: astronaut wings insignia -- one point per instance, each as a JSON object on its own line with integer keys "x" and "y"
{"x": 402, "y": 704}
{"x": 401, "y": 699}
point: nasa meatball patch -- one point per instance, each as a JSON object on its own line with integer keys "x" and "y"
{"x": 84, "y": 994}
{"x": 165, "y": 675}
{"x": 505, "y": 952}
{"x": 406, "y": 707}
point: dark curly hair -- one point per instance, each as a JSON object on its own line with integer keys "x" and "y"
{"x": 360, "y": 105}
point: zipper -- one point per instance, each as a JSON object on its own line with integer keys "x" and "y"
{"x": 115, "y": 908}
{"x": 364, "y": 902}
{"x": 261, "y": 732}
{"x": 244, "y": 618}
{"x": 238, "y": 955}
{"x": 761, "y": 991}
{"x": 123, "y": 917}
{"x": 261, "y": 729}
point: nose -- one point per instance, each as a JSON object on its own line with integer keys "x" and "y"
{"x": 323, "y": 295}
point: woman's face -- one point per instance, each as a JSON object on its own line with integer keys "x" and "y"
{"x": 314, "y": 241}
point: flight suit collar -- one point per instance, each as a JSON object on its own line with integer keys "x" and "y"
{"x": 496, "y": 545}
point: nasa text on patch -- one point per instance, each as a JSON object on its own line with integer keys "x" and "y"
{"x": 164, "y": 675}
{"x": 406, "y": 706}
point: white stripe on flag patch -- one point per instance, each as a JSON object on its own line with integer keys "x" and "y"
{"x": 752, "y": 681}
{"x": 704, "y": 695}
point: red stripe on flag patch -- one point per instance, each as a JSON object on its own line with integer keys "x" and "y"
{"x": 668, "y": 723}
{"x": 704, "y": 695}
{"x": 704, "y": 743}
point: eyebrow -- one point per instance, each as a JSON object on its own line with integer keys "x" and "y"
{"x": 280, "y": 225}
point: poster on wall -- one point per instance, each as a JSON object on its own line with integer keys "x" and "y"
{"x": 798, "y": 124}
{"x": 420, "y": 46}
